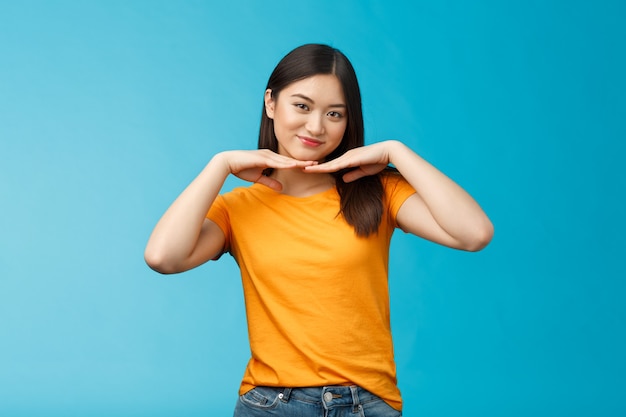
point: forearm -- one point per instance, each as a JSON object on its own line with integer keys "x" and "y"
{"x": 454, "y": 210}
{"x": 176, "y": 234}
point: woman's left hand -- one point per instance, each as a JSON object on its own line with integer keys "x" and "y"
{"x": 367, "y": 160}
{"x": 440, "y": 210}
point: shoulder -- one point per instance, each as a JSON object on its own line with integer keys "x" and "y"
{"x": 396, "y": 190}
{"x": 236, "y": 203}
{"x": 245, "y": 193}
{"x": 390, "y": 177}
{"x": 393, "y": 181}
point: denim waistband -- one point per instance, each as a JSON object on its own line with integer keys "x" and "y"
{"x": 331, "y": 396}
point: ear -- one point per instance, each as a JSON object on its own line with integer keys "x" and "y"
{"x": 269, "y": 104}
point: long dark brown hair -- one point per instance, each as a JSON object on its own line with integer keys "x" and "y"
{"x": 361, "y": 200}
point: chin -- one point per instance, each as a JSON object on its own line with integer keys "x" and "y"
{"x": 308, "y": 156}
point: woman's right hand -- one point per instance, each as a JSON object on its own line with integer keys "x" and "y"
{"x": 184, "y": 238}
{"x": 249, "y": 165}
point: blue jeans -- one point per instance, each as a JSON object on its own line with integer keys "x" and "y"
{"x": 336, "y": 401}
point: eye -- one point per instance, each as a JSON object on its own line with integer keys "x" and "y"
{"x": 301, "y": 106}
{"x": 335, "y": 115}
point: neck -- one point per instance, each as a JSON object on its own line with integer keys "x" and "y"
{"x": 300, "y": 184}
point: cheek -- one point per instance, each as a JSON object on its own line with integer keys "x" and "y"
{"x": 285, "y": 120}
{"x": 337, "y": 131}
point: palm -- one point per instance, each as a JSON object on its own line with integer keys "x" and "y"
{"x": 363, "y": 171}
{"x": 250, "y": 174}
{"x": 362, "y": 161}
{"x": 249, "y": 165}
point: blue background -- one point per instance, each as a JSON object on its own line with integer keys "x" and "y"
{"x": 109, "y": 108}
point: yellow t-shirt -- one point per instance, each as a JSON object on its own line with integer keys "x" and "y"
{"x": 316, "y": 294}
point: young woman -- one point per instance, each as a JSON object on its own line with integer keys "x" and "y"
{"x": 311, "y": 237}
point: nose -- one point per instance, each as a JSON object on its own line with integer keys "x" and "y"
{"x": 315, "y": 125}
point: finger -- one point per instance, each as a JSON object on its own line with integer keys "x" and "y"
{"x": 363, "y": 171}
{"x": 353, "y": 175}
{"x": 303, "y": 164}
{"x": 279, "y": 161}
{"x": 331, "y": 166}
{"x": 270, "y": 182}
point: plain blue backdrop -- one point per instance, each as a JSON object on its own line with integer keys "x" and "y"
{"x": 109, "y": 108}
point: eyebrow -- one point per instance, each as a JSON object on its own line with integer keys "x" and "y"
{"x": 302, "y": 96}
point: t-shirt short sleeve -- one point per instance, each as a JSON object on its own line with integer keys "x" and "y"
{"x": 218, "y": 213}
{"x": 397, "y": 190}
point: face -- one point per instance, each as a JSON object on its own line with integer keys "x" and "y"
{"x": 309, "y": 116}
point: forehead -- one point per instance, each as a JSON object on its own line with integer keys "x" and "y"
{"x": 322, "y": 88}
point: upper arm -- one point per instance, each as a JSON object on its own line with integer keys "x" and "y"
{"x": 414, "y": 217}
{"x": 210, "y": 245}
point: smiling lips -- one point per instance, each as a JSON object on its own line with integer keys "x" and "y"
{"x": 307, "y": 141}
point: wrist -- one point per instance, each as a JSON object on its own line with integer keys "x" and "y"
{"x": 221, "y": 162}
{"x": 395, "y": 149}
